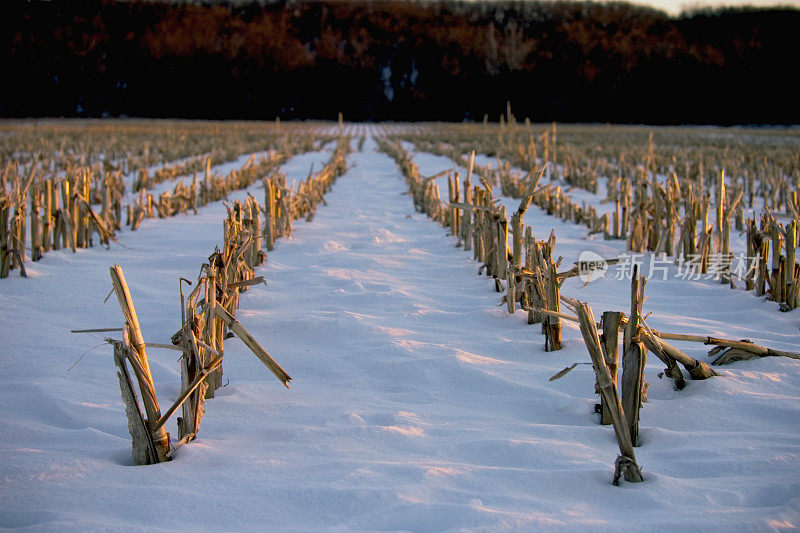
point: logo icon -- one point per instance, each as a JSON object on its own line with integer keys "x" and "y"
{"x": 591, "y": 266}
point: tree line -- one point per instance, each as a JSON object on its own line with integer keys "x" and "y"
{"x": 399, "y": 60}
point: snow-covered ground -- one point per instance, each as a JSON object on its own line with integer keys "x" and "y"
{"x": 300, "y": 166}
{"x": 417, "y": 403}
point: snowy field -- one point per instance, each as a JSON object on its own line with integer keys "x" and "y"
{"x": 417, "y": 404}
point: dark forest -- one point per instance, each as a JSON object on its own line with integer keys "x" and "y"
{"x": 399, "y": 60}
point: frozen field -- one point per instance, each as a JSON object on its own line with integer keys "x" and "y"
{"x": 417, "y": 403}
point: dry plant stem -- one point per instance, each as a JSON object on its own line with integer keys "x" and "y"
{"x": 565, "y": 316}
{"x": 47, "y": 218}
{"x": 246, "y": 282}
{"x": 185, "y": 395}
{"x": 552, "y": 322}
{"x": 610, "y": 323}
{"x": 162, "y": 346}
{"x": 197, "y": 410}
{"x": 206, "y": 347}
{"x": 128, "y": 310}
{"x": 251, "y": 343}
{"x": 189, "y": 365}
{"x": 186, "y": 438}
{"x": 211, "y": 332}
{"x": 531, "y": 289}
{"x": 728, "y": 343}
{"x": 139, "y": 353}
{"x": 143, "y": 451}
{"x": 673, "y": 370}
{"x": 96, "y": 330}
{"x": 4, "y": 249}
{"x": 511, "y": 294}
{"x": 697, "y": 369}
{"x": 608, "y": 391}
{"x": 790, "y": 272}
{"x": 634, "y": 358}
